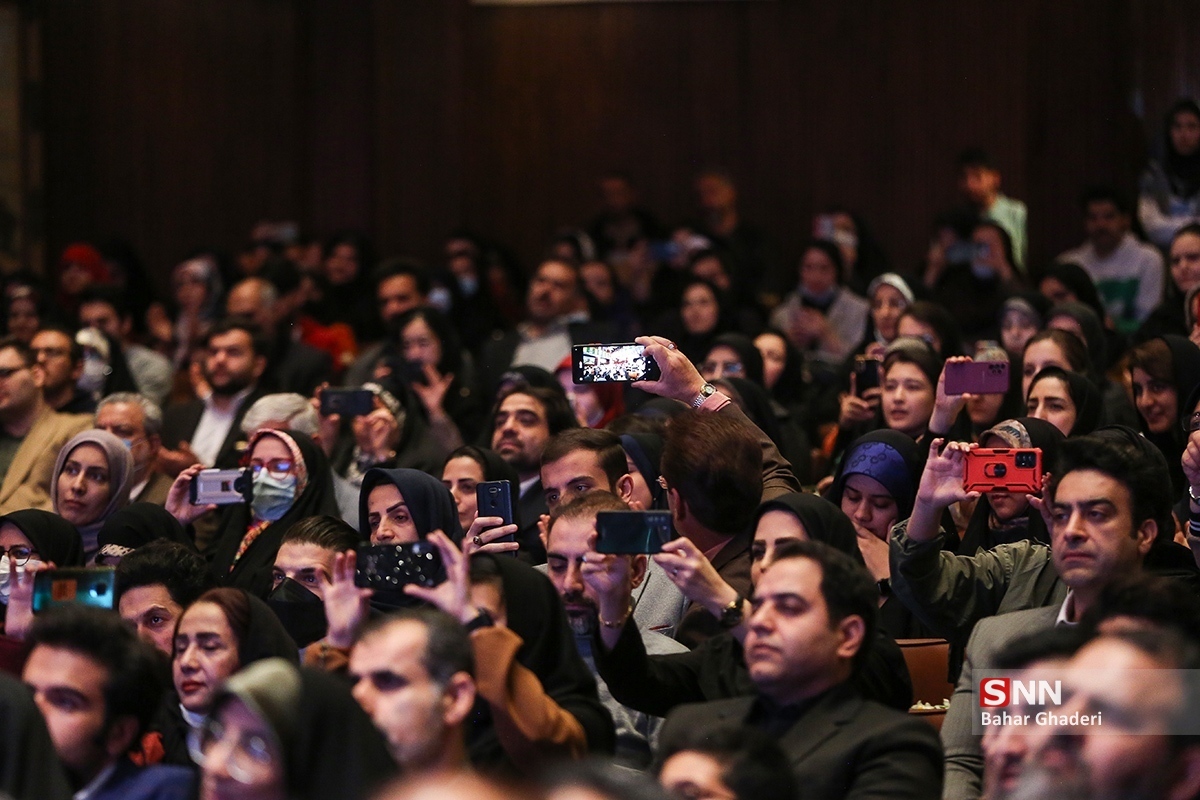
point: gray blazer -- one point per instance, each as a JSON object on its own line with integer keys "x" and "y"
{"x": 964, "y": 761}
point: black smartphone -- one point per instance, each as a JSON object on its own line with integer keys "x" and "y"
{"x": 494, "y": 499}
{"x": 867, "y": 370}
{"x": 347, "y": 402}
{"x": 88, "y": 586}
{"x": 391, "y": 567}
{"x": 633, "y": 532}
{"x": 609, "y": 363}
{"x": 220, "y": 487}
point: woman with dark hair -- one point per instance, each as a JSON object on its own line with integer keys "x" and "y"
{"x": 526, "y": 627}
{"x": 733, "y": 355}
{"x": 135, "y": 525}
{"x": 197, "y": 301}
{"x": 1053, "y": 348}
{"x": 863, "y": 259}
{"x": 1079, "y": 319}
{"x": 773, "y": 420}
{"x": 430, "y": 361}
{"x": 346, "y": 295}
{"x": 933, "y": 323}
{"x": 304, "y": 735}
{"x": 1064, "y": 282}
{"x": 1164, "y": 372}
{"x": 822, "y": 318}
{"x": 290, "y": 480}
{"x": 91, "y": 480}
{"x": 704, "y": 313}
{"x": 1183, "y": 259}
{"x": 1004, "y": 517}
{"x": 466, "y": 468}
{"x": 29, "y": 540}
{"x": 973, "y": 287}
{"x": 24, "y": 308}
{"x": 1021, "y": 316}
{"x": 1067, "y": 400}
{"x": 219, "y": 634}
{"x": 1170, "y": 187}
{"x": 594, "y": 404}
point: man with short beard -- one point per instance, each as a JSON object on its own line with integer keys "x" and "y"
{"x": 570, "y": 540}
{"x": 523, "y": 420}
{"x": 207, "y": 430}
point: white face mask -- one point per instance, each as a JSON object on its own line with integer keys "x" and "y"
{"x": 5, "y": 588}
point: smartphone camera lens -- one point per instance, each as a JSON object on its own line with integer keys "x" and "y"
{"x": 1026, "y": 460}
{"x": 999, "y": 470}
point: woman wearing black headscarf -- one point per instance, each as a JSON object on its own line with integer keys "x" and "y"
{"x": 1067, "y": 400}
{"x": 773, "y": 420}
{"x": 1169, "y": 195}
{"x": 539, "y": 694}
{"x": 1004, "y": 517}
{"x": 291, "y": 481}
{"x": 28, "y": 539}
{"x": 716, "y": 669}
{"x": 1164, "y": 371}
{"x": 643, "y": 454}
{"x": 467, "y": 467}
{"x": 135, "y": 525}
{"x": 1081, "y": 320}
{"x": 320, "y": 742}
{"x": 222, "y": 632}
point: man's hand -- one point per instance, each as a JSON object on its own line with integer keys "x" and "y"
{"x": 680, "y": 380}
{"x": 608, "y": 577}
{"x": 1191, "y": 464}
{"x": 346, "y": 605}
{"x": 179, "y": 502}
{"x": 695, "y": 575}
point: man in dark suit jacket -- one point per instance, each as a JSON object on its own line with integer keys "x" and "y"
{"x": 812, "y": 614}
{"x": 208, "y": 431}
{"x": 112, "y": 680}
{"x": 556, "y": 319}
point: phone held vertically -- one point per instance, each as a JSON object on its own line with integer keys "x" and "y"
{"x": 633, "y": 532}
{"x": 608, "y": 363}
{"x": 976, "y": 377}
{"x": 867, "y": 373}
{"x": 494, "y": 499}
{"x": 88, "y": 586}
{"x": 220, "y": 487}
{"x": 347, "y": 402}
{"x": 1003, "y": 469}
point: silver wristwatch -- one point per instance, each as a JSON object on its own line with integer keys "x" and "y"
{"x": 707, "y": 391}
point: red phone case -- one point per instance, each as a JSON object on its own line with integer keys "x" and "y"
{"x": 1003, "y": 469}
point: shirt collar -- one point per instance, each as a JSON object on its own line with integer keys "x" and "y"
{"x": 96, "y": 783}
{"x": 1067, "y": 611}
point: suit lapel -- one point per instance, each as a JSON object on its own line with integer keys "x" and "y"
{"x": 820, "y": 723}
{"x": 35, "y": 441}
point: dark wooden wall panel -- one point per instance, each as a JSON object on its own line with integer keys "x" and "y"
{"x": 171, "y": 122}
{"x": 178, "y": 123}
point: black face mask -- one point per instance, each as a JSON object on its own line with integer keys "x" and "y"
{"x": 301, "y": 612}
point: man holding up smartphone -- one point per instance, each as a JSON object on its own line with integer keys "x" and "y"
{"x": 570, "y": 543}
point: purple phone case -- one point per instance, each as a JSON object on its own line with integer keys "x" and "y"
{"x": 977, "y": 377}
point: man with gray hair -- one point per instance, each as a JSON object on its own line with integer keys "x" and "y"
{"x": 138, "y": 422}
{"x": 292, "y": 365}
{"x": 282, "y": 411}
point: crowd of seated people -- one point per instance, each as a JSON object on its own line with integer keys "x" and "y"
{"x": 322, "y": 524}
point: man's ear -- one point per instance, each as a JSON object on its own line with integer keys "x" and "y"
{"x": 637, "y": 570}
{"x": 260, "y": 366}
{"x": 120, "y": 736}
{"x": 625, "y": 487}
{"x": 852, "y": 630}
{"x": 679, "y": 510}
{"x": 458, "y": 699}
{"x": 1145, "y": 535}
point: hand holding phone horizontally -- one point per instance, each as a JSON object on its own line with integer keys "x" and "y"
{"x": 1003, "y": 469}
{"x": 88, "y": 586}
{"x": 633, "y": 532}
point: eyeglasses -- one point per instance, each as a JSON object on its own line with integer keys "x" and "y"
{"x": 247, "y": 759}
{"x": 18, "y": 554}
{"x": 276, "y": 467}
